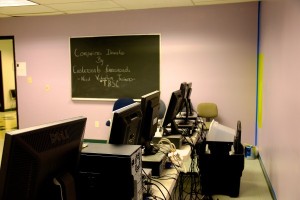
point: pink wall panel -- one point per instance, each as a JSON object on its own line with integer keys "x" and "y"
{"x": 214, "y": 47}
{"x": 279, "y": 136}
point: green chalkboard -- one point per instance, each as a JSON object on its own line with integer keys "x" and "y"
{"x": 110, "y": 67}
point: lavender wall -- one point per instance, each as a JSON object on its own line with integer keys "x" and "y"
{"x": 279, "y": 136}
{"x": 212, "y": 46}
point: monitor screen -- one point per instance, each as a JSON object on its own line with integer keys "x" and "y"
{"x": 172, "y": 110}
{"x": 41, "y": 162}
{"x": 126, "y": 125}
{"x": 150, "y": 109}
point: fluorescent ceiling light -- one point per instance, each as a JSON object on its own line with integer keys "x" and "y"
{"x": 6, "y": 3}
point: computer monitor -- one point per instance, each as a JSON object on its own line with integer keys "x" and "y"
{"x": 150, "y": 109}
{"x": 220, "y": 133}
{"x": 126, "y": 125}
{"x": 172, "y": 110}
{"x": 186, "y": 105}
{"x": 183, "y": 88}
{"x": 220, "y": 138}
{"x": 190, "y": 108}
{"x": 41, "y": 162}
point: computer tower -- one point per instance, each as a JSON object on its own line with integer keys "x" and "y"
{"x": 108, "y": 170}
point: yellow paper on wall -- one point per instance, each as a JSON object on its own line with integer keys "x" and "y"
{"x": 260, "y": 89}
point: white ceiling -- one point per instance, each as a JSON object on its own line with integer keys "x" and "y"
{"x": 63, "y": 7}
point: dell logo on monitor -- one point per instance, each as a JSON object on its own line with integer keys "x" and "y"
{"x": 59, "y": 136}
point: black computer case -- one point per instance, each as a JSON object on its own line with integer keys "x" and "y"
{"x": 108, "y": 170}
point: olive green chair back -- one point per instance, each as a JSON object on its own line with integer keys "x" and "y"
{"x": 207, "y": 111}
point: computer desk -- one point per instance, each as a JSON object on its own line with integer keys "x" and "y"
{"x": 165, "y": 184}
{"x": 253, "y": 183}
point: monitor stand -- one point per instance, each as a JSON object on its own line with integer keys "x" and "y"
{"x": 174, "y": 129}
{"x": 67, "y": 186}
{"x": 150, "y": 149}
{"x": 191, "y": 116}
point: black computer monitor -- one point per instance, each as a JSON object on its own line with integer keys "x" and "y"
{"x": 186, "y": 105}
{"x": 150, "y": 108}
{"x": 190, "y": 108}
{"x": 126, "y": 125}
{"x": 41, "y": 162}
{"x": 184, "y": 89}
{"x": 171, "y": 113}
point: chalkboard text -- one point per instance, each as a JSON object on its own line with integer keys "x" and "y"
{"x": 114, "y": 66}
{"x": 110, "y": 52}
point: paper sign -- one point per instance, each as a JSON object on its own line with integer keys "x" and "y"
{"x": 21, "y": 69}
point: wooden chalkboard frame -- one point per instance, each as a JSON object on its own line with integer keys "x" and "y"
{"x": 111, "y": 67}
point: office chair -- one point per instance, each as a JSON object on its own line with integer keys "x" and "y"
{"x": 207, "y": 111}
{"x": 120, "y": 103}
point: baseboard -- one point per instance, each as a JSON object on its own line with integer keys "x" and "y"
{"x": 94, "y": 141}
{"x": 271, "y": 189}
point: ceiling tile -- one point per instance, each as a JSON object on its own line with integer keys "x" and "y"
{"x": 211, "y": 2}
{"x": 85, "y": 6}
{"x": 38, "y": 14}
{"x": 93, "y": 10}
{"x": 45, "y": 2}
{"x": 1, "y": 15}
{"x": 25, "y": 9}
{"x": 58, "y": 7}
{"x": 142, "y": 4}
